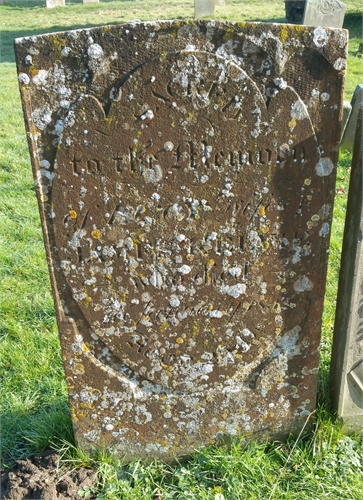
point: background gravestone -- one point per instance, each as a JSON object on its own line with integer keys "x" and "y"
{"x": 347, "y": 109}
{"x": 294, "y": 10}
{"x": 351, "y": 125}
{"x": 204, "y": 8}
{"x": 185, "y": 176}
{"x": 324, "y": 13}
{"x": 90, "y": 1}
{"x": 346, "y": 375}
{"x": 55, "y": 3}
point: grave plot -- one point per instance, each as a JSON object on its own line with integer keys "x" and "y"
{"x": 185, "y": 175}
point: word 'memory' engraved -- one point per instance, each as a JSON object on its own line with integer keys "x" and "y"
{"x": 191, "y": 157}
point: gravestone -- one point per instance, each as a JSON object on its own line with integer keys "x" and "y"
{"x": 351, "y": 126}
{"x": 220, "y": 3}
{"x": 346, "y": 375}
{"x": 90, "y": 1}
{"x": 55, "y": 3}
{"x": 294, "y": 10}
{"x": 324, "y": 13}
{"x": 347, "y": 109}
{"x": 185, "y": 174}
{"x": 204, "y": 8}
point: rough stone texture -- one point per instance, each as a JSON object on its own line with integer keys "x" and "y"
{"x": 324, "y": 13}
{"x": 55, "y": 3}
{"x": 351, "y": 126}
{"x": 185, "y": 175}
{"x": 347, "y": 109}
{"x": 346, "y": 374}
{"x": 204, "y": 8}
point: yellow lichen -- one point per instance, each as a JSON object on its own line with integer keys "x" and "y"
{"x": 72, "y": 214}
{"x": 33, "y": 71}
{"x": 261, "y": 211}
{"x": 284, "y": 34}
{"x": 78, "y": 369}
{"x": 292, "y": 123}
{"x": 164, "y": 326}
{"x": 229, "y": 34}
{"x": 96, "y": 234}
{"x": 195, "y": 329}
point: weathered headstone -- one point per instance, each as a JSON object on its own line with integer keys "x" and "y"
{"x": 55, "y": 3}
{"x": 294, "y": 10}
{"x": 347, "y": 109}
{"x": 351, "y": 126}
{"x": 90, "y": 1}
{"x": 324, "y": 13}
{"x": 185, "y": 175}
{"x": 204, "y": 8}
{"x": 346, "y": 375}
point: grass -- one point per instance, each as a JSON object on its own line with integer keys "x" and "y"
{"x": 34, "y": 410}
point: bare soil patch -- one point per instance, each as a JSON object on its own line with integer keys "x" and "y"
{"x": 39, "y": 477}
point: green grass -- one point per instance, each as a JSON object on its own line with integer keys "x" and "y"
{"x": 34, "y": 410}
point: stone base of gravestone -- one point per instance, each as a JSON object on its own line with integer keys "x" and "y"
{"x": 294, "y": 10}
{"x": 324, "y": 13}
{"x": 204, "y": 8}
{"x": 346, "y": 375}
{"x": 350, "y": 128}
{"x": 55, "y": 3}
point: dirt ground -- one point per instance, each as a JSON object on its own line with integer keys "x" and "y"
{"x": 39, "y": 478}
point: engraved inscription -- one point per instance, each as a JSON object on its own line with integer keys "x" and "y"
{"x": 179, "y": 239}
